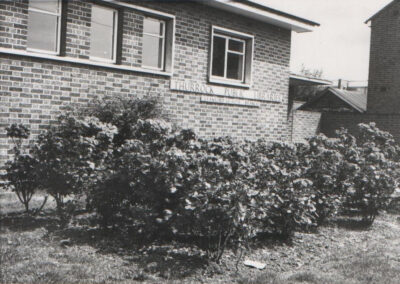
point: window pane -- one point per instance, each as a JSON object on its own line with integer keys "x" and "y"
{"x": 46, "y": 5}
{"x": 218, "y": 62}
{"x": 152, "y": 51}
{"x": 152, "y": 26}
{"x": 102, "y": 33}
{"x": 235, "y": 45}
{"x": 42, "y": 31}
{"x": 234, "y": 66}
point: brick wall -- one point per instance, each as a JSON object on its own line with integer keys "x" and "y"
{"x": 384, "y": 70}
{"x": 332, "y": 121}
{"x": 305, "y": 124}
{"x": 34, "y": 90}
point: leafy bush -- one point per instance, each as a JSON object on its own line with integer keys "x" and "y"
{"x": 374, "y": 164}
{"x": 21, "y": 172}
{"x": 67, "y": 154}
{"x": 142, "y": 174}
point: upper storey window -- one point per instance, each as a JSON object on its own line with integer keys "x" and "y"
{"x": 103, "y": 37}
{"x": 153, "y": 52}
{"x": 231, "y": 57}
{"x": 44, "y": 26}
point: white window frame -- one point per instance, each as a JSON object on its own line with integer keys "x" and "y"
{"x": 115, "y": 38}
{"x": 58, "y": 36}
{"x": 248, "y": 50}
{"x": 164, "y": 25}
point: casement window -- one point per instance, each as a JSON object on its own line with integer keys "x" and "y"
{"x": 231, "y": 57}
{"x": 44, "y": 26}
{"x": 103, "y": 34}
{"x": 153, "y": 51}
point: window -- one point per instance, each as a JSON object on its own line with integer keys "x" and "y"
{"x": 103, "y": 36}
{"x": 153, "y": 51}
{"x": 231, "y": 56}
{"x": 44, "y": 26}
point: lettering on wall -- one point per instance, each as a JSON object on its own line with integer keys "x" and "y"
{"x": 193, "y": 87}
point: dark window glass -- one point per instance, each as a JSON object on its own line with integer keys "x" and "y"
{"x": 235, "y": 45}
{"x": 218, "y": 58}
{"x": 234, "y": 66}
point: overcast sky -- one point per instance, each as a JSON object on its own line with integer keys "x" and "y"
{"x": 340, "y": 46}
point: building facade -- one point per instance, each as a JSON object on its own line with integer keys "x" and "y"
{"x": 220, "y": 68}
{"x": 384, "y": 66}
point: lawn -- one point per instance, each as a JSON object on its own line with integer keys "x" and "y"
{"x": 40, "y": 250}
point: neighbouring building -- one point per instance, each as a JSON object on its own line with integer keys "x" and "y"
{"x": 219, "y": 67}
{"x": 383, "y": 103}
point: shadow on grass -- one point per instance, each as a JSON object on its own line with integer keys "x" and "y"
{"x": 22, "y": 222}
{"x": 352, "y": 224}
{"x": 169, "y": 260}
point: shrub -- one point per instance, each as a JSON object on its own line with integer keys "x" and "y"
{"x": 68, "y": 153}
{"x": 374, "y": 176}
{"x": 21, "y": 172}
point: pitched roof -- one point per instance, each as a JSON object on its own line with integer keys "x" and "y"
{"x": 356, "y": 100}
{"x": 381, "y": 10}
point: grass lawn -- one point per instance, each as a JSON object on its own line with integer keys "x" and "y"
{"x": 39, "y": 250}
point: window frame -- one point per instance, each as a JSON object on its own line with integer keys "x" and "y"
{"x": 248, "y": 50}
{"x": 114, "y": 38}
{"x": 163, "y": 37}
{"x": 59, "y": 30}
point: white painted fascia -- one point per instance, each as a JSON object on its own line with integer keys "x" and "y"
{"x": 260, "y": 15}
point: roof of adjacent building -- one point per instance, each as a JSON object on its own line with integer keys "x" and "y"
{"x": 263, "y": 13}
{"x": 355, "y": 100}
{"x": 303, "y": 80}
{"x": 381, "y": 10}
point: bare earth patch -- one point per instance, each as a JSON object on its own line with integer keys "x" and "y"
{"x": 32, "y": 251}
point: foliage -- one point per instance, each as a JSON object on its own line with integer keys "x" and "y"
{"x": 142, "y": 174}
{"x": 374, "y": 164}
{"x": 21, "y": 172}
{"x": 68, "y": 152}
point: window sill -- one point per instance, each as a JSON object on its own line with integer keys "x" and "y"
{"x": 228, "y": 83}
{"x": 83, "y": 61}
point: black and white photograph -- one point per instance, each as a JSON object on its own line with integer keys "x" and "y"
{"x": 200, "y": 141}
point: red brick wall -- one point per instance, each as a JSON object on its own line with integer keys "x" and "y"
{"x": 384, "y": 70}
{"x": 34, "y": 90}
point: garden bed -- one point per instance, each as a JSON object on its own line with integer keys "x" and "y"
{"x": 45, "y": 252}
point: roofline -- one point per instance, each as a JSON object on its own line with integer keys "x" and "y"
{"x": 345, "y": 99}
{"x": 310, "y": 79}
{"x": 262, "y": 13}
{"x": 381, "y": 10}
{"x": 290, "y": 16}
{"x": 336, "y": 94}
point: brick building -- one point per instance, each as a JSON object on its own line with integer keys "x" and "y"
{"x": 383, "y": 100}
{"x": 219, "y": 67}
{"x": 384, "y": 66}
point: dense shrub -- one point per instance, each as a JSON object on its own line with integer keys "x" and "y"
{"x": 373, "y": 165}
{"x": 21, "y": 172}
{"x": 142, "y": 174}
{"x": 68, "y": 152}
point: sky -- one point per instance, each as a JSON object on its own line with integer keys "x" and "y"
{"x": 340, "y": 46}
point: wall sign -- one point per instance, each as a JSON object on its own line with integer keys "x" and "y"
{"x": 193, "y": 87}
{"x": 228, "y": 101}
